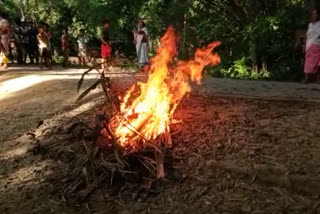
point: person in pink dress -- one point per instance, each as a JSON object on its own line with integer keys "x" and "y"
{"x": 312, "y": 48}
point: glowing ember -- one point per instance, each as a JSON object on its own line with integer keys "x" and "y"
{"x": 146, "y": 110}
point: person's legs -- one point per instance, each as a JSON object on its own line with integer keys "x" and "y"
{"x": 79, "y": 59}
{"x": 10, "y": 56}
{"x": 19, "y": 55}
{"x": 43, "y": 55}
{"x": 30, "y": 53}
{"x": 306, "y": 78}
{"x": 3, "y": 61}
{"x": 49, "y": 59}
{"x": 82, "y": 60}
{"x": 36, "y": 54}
{"x": 5, "y": 51}
{"x": 104, "y": 64}
{"x": 308, "y": 67}
{"x": 41, "y": 61}
{"x": 106, "y": 55}
{"x": 24, "y": 53}
{"x": 83, "y": 57}
{"x": 65, "y": 58}
{"x": 47, "y": 62}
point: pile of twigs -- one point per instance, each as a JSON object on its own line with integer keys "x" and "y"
{"x": 93, "y": 156}
{"x": 106, "y": 138}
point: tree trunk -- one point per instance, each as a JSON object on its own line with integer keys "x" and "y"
{"x": 21, "y": 6}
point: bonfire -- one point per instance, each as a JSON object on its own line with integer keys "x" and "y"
{"x": 147, "y": 108}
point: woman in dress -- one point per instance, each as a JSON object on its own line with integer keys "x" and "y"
{"x": 141, "y": 40}
{"x": 312, "y": 61}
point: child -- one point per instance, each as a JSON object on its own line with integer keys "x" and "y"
{"x": 43, "y": 43}
{"x": 105, "y": 46}
{"x": 65, "y": 46}
{"x": 13, "y": 52}
{"x": 82, "y": 47}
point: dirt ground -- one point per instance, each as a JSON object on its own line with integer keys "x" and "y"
{"x": 242, "y": 147}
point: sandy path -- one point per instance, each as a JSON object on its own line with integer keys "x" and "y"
{"x": 29, "y": 96}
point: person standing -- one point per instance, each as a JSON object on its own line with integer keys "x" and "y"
{"x": 5, "y": 33}
{"x": 65, "y": 46}
{"x": 33, "y": 43}
{"x": 82, "y": 47}
{"x": 105, "y": 44}
{"x": 27, "y": 44}
{"x": 141, "y": 40}
{"x": 24, "y": 41}
{"x": 16, "y": 39}
{"x": 43, "y": 42}
{"x": 312, "y": 49}
{"x": 50, "y": 47}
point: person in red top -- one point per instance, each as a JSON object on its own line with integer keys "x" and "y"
{"x": 105, "y": 43}
{"x": 64, "y": 46}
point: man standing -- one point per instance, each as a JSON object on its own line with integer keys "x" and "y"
{"x": 24, "y": 40}
{"x": 33, "y": 43}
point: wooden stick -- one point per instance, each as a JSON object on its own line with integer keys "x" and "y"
{"x": 168, "y": 139}
{"x": 159, "y": 164}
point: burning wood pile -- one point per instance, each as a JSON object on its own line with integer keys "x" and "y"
{"x": 127, "y": 148}
{"x": 143, "y": 120}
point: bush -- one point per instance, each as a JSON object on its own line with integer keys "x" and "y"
{"x": 239, "y": 70}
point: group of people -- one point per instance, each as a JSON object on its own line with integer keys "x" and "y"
{"x": 141, "y": 41}
{"x": 28, "y": 41}
{"x": 31, "y": 43}
{"x": 23, "y": 43}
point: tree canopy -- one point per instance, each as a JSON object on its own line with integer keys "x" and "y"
{"x": 258, "y": 36}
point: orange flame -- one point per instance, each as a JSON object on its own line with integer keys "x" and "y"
{"x": 146, "y": 110}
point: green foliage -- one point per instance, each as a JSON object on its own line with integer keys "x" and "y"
{"x": 253, "y": 32}
{"x": 239, "y": 70}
